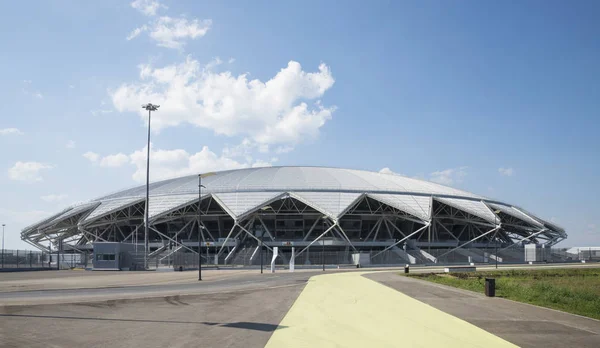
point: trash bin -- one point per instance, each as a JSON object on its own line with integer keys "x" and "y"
{"x": 490, "y": 287}
{"x": 406, "y": 269}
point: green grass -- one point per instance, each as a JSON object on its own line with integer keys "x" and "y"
{"x": 571, "y": 290}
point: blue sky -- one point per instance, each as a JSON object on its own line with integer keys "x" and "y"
{"x": 497, "y": 98}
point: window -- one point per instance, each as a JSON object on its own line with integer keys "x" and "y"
{"x": 105, "y": 257}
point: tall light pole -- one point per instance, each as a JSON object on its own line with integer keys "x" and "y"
{"x": 200, "y": 186}
{"x": 262, "y": 236}
{"x": 150, "y": 107}
{"x": 3, "y": 245}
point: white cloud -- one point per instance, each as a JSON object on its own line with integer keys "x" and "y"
{"x": 10, "y": 131}
{"x": 38, "y": 95}
{"x": 449, "y": 176}
{"x": 173, "y": 163}
{"x": 71, "y": 86}
{"x": 54, "y": 197}
{"x": 231, "y": 60}
{"x": 387, "y": 170}
{"x": 506, "y": 171}
{"x": 283, "y": 149}
{"x": 136, "y": 32}
{"x": 27, "y": 171}
{"x": 172, "y": 32}
{"x": 592, "y": 226}
{"x": 70, "y": 144}
{"x": 114, "y": 160}
{"x": 263, "y": 148}
{"x": 271, "y": 112}
{"x": 147, "y": 7}
{"x": 91, "y": 156}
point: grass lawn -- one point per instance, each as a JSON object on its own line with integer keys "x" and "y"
{"x": 571, "y": 290}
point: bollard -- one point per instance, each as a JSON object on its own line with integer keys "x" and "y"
{"x": 490, "y": 287}
{"x": 406, "y": 269}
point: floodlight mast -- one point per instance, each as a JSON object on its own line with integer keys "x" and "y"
{"x": 150, "y": 107}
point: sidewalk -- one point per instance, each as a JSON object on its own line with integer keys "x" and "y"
{"x": 349, "y": 310}
{"x": 522, "y": 324}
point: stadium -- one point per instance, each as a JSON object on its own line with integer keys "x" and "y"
{"x": 326, "y": 214}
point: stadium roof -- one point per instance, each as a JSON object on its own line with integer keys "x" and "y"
{"x": 332, "y": 191}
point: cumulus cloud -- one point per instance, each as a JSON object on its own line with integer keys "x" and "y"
{"x": 70, "y": 144}
{"x": 54, "y": 197}
{"x": 10, "y": 131}
{"x": 114, "y": 160}
{"x": 27, "y": 171}
{"x": 91, "y": 156}
{"x": 173, "y": 163}
{"x": 283, "y": 149}
{"x": 172, "y": 32}
{"x": 387, "y": 170}
{"x": 506, "y": 171}
{"x": 449, "y": 176}
{"x": 147, "y": 7}
{"x": 271, "y": 112}
{"x": 110, "y": 161}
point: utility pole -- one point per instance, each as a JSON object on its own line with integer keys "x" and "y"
{"x": 150, "y": 107}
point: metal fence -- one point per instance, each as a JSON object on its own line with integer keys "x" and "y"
{"x": 32, "y": 259}
{"x": 250, "y": 256}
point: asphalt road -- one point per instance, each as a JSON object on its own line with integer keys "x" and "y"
{"x": 244, "y": 318}
{"x": 247, "y": 281}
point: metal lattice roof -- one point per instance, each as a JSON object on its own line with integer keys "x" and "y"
{"x": 329, "y": 190}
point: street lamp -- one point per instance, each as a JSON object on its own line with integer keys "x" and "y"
{"x": 200, "y": 186}
{"x": 150, "y": 107}
{"x": 3, "y": 245}
{"x": 262, "y": 236}
{"x": 496, "y": 242}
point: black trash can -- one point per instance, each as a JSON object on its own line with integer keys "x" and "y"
{"x": 406, "y": 269}
{"x": 490, "y": 287}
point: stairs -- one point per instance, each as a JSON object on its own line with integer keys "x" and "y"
{"x": 404, "y": 255}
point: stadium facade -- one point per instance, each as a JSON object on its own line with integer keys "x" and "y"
{"x": 332, "y": 208}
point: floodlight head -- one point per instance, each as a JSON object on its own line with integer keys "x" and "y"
{"x": 150, "y": 107}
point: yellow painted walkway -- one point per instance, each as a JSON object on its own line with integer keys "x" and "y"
{"x": 348, "y": 310}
